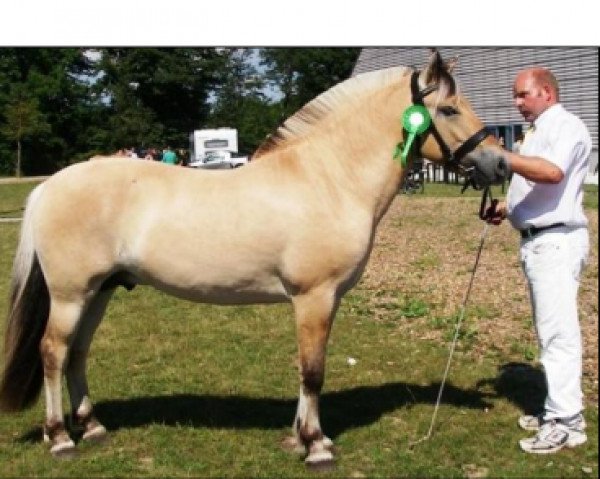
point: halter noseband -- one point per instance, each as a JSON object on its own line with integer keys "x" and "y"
{"x": 451, "y": 158}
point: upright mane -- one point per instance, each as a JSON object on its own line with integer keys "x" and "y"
{"x": 341, "y": 95}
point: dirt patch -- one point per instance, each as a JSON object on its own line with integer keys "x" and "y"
{"x": 423, "y": 257}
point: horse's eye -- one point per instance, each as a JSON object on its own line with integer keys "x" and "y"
{"x": 448, "y": 110}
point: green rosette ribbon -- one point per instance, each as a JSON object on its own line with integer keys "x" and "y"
{"x": 415, "y": 120}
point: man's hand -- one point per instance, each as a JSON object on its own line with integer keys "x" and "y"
{"x": 495, "y": 213}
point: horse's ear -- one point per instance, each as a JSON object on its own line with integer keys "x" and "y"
{"x": 434, "y": 68}
{"x": 438, "y": 72}
{"x": 451, "y": 64}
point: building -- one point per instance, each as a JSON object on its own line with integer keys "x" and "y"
{"x": 486, "y": 74}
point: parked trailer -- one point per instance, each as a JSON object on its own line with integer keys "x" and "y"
{"x": 215, "y": 149}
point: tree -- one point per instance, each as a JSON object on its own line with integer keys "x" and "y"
{"x": 303, "y": 73}
{"x": 160, "y": 94}
{"x": 74, "y": 105}
{"x": 23, "y": 119}
{"x": 54, "y": 79}
{"x": 239, "y": 101}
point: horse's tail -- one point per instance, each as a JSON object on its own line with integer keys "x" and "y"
{"x": 29, "y": 307}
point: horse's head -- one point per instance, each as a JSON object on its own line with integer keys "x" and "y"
{"x": 456, "y": 136}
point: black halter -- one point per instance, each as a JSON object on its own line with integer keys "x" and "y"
{"x": 451, "y": 158}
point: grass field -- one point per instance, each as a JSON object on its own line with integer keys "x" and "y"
{"x": 192, "y": 390}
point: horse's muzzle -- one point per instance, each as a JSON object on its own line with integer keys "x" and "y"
{"x": 486, "y": 166}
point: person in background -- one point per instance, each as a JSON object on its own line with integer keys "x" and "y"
{"x": 183, "y": 156}
{"x": 169, "y": 156}
{"x": 150, "y": 154}
{"x": 544, "y": 203}
{"x": 517, "y": 144}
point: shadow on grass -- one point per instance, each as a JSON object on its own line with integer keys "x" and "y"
{"x": 521, "y": 384}
{"x": 340, "y": 410}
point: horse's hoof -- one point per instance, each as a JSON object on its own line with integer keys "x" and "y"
{"x": 97, "y": 434}
{"x": 320, "y": 461}
{"x": 294, "y": 445}
{"x": 64, "y": 450}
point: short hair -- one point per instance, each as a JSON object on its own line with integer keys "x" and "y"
{"x": 543, "y": 76}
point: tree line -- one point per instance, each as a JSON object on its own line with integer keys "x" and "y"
{"x": 63, "y": 105}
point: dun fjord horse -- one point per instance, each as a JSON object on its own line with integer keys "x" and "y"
{"x": 296, "y": 224}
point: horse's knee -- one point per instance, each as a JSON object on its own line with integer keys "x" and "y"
{"x": 60, "y": 332}
{"x": 53, "y": 352}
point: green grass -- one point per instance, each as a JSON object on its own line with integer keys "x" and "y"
{"x": 190, "y": 390}
{"x": 590, "y": 198}
{"x": 451, "y": 190}
{"x": 12, "y": 198}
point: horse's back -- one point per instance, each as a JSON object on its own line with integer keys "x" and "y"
{"x": 191, "y": 233}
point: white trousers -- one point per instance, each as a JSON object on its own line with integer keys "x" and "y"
{"x": 553, "y": 261}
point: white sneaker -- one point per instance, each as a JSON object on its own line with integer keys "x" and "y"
{"x": 552, "y": 437}
{"x": 534, "y": 423}
{"x": 531, "y": 423}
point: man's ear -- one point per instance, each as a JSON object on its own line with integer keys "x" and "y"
{"x": 548, "y": 92}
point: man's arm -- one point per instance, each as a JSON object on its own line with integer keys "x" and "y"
{"x": 534, "y": 168}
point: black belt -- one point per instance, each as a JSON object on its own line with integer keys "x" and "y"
{"x": 533, "y": 230}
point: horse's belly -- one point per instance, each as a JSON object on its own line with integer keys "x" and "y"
{"x": 215, "y": 292}
{"x": 217, "y": 267}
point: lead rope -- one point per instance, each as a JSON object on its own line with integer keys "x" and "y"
{"x": 486, "y": 193}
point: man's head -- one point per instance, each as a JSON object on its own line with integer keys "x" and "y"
{"x": 534, "y": 91}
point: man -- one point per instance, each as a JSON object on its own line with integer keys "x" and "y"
{"x": 169, "y": 156}
{"x": 544, "y": 202}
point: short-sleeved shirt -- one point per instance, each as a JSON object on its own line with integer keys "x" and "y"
{"x": 169, "y": 157}
{"x": 563, "y": 139}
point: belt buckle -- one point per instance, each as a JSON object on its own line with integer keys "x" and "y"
{"x": 529, "y": 233}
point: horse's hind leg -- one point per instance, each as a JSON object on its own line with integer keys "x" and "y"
{"x": 81, "y": 405}
{"x": 314, "y": 316}
{"x": 62, "y": 324}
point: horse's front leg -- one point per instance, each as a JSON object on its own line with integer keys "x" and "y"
{"x": 62, "y": 323}
{"x": 314, "y": 315}
{"x": 81, "y": 406}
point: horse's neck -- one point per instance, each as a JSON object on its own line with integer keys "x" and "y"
{"x": 357, "y": 157}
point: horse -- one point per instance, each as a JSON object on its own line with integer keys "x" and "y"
{"x": 296, "y": 224}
